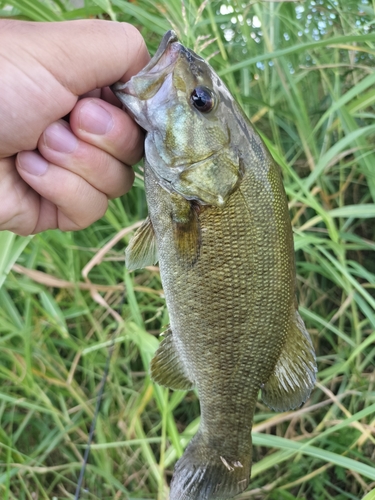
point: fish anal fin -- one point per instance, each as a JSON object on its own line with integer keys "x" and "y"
{"x": 142, "y": 251}
{"x": 167, "y": 368}
{"x": 293, "y": 378}
{"x": 186, "y": 229}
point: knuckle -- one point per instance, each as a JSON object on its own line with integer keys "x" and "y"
{"x": 133, "y": 34}
{"x": 92, "y": 206}
{"x": 19, "y": 205}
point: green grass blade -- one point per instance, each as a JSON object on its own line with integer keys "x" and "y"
{"x": 36, "y": 10}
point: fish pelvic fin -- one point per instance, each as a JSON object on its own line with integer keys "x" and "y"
{"x": 142, "y": 250}
{"x": 186, "y": 230}
{"x": 167, "y": 367}
{"x": 203, "y": 473}
{"x": 293, "y": 379}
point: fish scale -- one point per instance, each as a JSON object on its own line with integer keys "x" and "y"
{"x": 199, "y": 304}
{"x": 219, "y": 226}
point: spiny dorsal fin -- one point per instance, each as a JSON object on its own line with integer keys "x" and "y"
{"x": 294, "y": 376}
{"x": 142, "y": 251}
{"x": 186, "y": 229}
{"x": 167, "y": 367}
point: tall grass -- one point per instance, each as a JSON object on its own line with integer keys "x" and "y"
{"x": 304, "y": 73}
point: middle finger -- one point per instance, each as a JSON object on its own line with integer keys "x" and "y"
{"x": 104, "y": 172}
{"x": 109, "y": 128}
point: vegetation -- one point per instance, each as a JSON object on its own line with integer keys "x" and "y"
{"x": 304, "y": 72}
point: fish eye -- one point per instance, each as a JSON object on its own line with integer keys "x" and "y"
{"x": 202, "y": 99}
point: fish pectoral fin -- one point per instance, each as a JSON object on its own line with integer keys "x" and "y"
{"x": 142, "y": 250}
{"x": 293, "y": 379}
{"x": 186, "y": 230}
{"x": 167, "y": 367}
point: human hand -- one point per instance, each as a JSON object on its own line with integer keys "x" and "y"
{"x": 54, "y": 174}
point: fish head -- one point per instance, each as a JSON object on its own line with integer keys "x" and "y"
{"x": 183, "y": 106}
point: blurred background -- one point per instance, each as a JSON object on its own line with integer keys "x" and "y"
{"x": 304, "y": 72}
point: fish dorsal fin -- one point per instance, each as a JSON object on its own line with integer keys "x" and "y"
{"x": 186, "y": 229}
{"x": 293, "y": 379}
{"x": 142, "y": 251}
{"x": 167, "y": 367}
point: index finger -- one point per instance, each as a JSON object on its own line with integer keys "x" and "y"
{"x": 46, "y": 66}
{"x": 83, "y": 54}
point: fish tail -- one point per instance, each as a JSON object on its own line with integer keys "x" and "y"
{"x": 204, "y": 473}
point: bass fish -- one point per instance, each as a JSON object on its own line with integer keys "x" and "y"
{"x": 219, "y": 226}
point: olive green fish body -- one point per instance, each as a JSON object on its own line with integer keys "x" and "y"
{"x": 219, "y": 226}
{"x": 230, "y": 312}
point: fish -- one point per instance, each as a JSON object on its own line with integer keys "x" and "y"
{"x": 219, "y": 226}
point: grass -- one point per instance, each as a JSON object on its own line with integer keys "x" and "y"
{"x": 304, "y": 73}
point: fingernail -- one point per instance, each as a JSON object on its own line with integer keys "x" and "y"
{"x": 32, "y": 163}
{"x": 60, "y": 138}
{"x": 94, "y": 119}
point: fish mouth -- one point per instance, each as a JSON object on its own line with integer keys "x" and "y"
{"x": 148, "y": 81}
{"x": 163, "y": 51}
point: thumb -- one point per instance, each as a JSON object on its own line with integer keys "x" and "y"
{"x": 47, "y": 65}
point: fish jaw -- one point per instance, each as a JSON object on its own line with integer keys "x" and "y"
{"x": 136, "y": 94}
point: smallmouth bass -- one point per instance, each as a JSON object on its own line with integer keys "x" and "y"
{"x": 219, "y": 226}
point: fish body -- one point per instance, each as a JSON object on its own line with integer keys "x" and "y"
{"x": 219, "y": 225}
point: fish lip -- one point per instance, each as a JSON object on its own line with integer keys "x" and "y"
{"x": 164, "y": 49}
